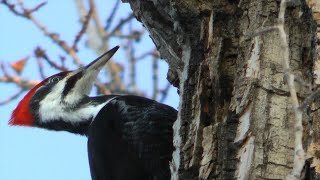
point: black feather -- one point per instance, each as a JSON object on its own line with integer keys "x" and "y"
{"x": 131, "y": 138}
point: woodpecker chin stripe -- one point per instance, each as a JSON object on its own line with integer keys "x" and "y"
{"x": 71, "y": 82}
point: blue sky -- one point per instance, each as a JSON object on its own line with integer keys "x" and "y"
{"x": 36, "y": 154}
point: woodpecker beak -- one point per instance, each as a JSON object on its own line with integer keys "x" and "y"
{"x": 101, "y": 61}
{"x": 80, "y": 82}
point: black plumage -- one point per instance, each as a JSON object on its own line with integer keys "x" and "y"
{"x": 131, "y": 138}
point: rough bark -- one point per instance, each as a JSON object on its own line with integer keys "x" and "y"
{"x": 235, "y": 118}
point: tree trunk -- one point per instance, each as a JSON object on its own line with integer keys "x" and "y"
{"x": 235, "y": 115}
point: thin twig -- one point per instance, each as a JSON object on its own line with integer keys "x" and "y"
{"x": 165, "y": 92}
{"x": 83, "y": 29}
{"x": 4, "y": 70}
{"x": 27, "y": 13}
{"x": 155, "y": 78}
{"x": 36, "y": 8}
{"x": 130, "y": 53}
{"x": 40, "y": 67}
{"x": 12, "y": 97}
{"x": 101, "y": 45}
{"x": 120, "y": 24}
{"x": 102, "y": 89}
{"x": 87, "y": 17}
{"x": 153, "y": 53}
{"x": 40, "y": 53}
{"x": 299, "y": 154}
{"x": 23, "y": 83}
{"x": 96, "y": 19}
{"x": 135, "y": 35}
{"x": 112, "y": 15}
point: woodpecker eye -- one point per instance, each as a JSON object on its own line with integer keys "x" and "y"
{"x": 54, "y": 79}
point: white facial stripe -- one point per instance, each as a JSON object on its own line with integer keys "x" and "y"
{"x": 50, "y": 112}
{"x": 52, "y": 108}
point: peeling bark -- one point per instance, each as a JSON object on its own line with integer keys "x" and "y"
{"x": 235, "y": 115}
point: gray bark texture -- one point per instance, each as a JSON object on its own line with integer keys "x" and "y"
{"x": 235, "y": 115}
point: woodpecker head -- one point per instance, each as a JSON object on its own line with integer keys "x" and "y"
{"x": 61, "y": 101}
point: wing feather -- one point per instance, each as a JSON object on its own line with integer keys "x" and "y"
{"x": 131, "y": 138}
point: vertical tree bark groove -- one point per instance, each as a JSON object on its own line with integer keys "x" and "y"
{"x": 235, "y": 116}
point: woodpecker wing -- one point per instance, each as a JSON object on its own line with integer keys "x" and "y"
{"x": 131, "y": 138}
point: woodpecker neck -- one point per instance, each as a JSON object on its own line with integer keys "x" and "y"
{"x": 74, "y": 119}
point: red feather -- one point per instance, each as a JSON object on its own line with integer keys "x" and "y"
{"x": 22, "y": 115}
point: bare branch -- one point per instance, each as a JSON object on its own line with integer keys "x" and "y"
{"x": 36, "y": 8}
{"x": 155, "y": 78}
{"x": 23, "y": 83}
{"x": 96, "y": 20}
{"x": 11, "y": 98}
{"x": 27, "y": 13}
{"x": 135, "y": 35}
{"x": 120, "y": 24}
{"x": 98, "y": 33}
{"x": 299, "y": 154}
{"x": 40, "y": 53}
{"x": 4, "y": 70}
{"x": 164, "y": 92}
{"x": 153, "y": 53}
{"x": 40, "y": 67}
{"x": 102, "y": 89}
{"x": 112, "y": 15}
{"x": 83, "y": 28}
{"x": 130, "y": 53}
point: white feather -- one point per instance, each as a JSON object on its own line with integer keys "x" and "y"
{"x": 52, "y": 107}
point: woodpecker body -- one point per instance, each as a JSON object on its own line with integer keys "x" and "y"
{"x": 129, "y": 137}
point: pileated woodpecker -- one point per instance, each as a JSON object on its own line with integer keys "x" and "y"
{"x": 129, "y": 137}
